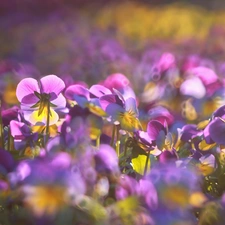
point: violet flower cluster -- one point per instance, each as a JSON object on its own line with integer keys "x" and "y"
{"x": 124, "y": 131}
{"x": 100, "y": 154}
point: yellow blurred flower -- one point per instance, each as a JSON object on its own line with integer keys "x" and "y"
{"x": 45, "y": 200}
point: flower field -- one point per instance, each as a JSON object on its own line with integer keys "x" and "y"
{"x": 112, "y": 113}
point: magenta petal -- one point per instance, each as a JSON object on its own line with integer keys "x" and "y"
{"x": 161, "y": 114}
{"x": 25, "y": 91}
{"x": 106, "y": 100}
{"x": 207, "y": 75}
{"x": 166, "y": 61}
{"x": 143, "y": 136}
{"x": 153, "y": 129}
{"x": 15, "y": 128}
{"x": 116, "y": 80}
{"x": 77, "y": 89}
{"x": 167, "y": 156}
{"x": 217, "y": 131}
{"x": 52, "y": 84}
{"x": 99, "y": 90}
{"x": 106, "y": 159}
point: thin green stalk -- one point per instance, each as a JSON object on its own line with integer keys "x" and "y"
{"x": 117, "y": 141}
{"x": 127, "y": 145}
{"x": 113, "y": 135}
{"x": 47, "y": 124}
{"x": 98, "y": 141}
{"x": 146, "y": 163}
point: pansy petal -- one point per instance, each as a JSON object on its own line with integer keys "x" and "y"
{"x": 207, "y": 75}
{"x": 106, "y": 160}
{"x": 99, "y": 90}
{"x": 77, "y": 90}
{"x": 203, "y": 146}
{"x": 166, "y": 61}
{"x": 143, "y": 136}
{"x": 217, "y": 131}
{"x": 94, "y": 107}
{"x": 52, "y": 84}
{"x": 106, "y": 100}
{"x": 42, "y": 118}
{"x": 167, "y": 156}
{"x": 153, "y": 129}
{"x": 207, "y": 135}
{"x": 130, "y": 105}
{"x": 160, "y": 140}
{"x": 25, "y": 91}
{"x": 161, "y": 114}
{"x": 219, "y": 112}
{"x": 60, "y": 101}
{"x": 120, "y": 95}
{"x": 116, "y": 80}
{"x": 208, "y": 159}
{"x": 193, "y": 87}
{"x": 188, "y": 132}
{"x": 127, "y": 92}
{"x": 81, "y": 101}
{"x": 114, "y": 110}
{"x": 15, "y": 128}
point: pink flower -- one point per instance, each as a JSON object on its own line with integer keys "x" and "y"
{"x": 35, "y": 98}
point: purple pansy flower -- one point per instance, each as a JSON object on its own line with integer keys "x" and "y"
{"x": 189, "y": 132}
{"x": 121, "y": 109}
{"x": 106, "y": 160}
{"x": 155, "y": 138}
{"x": 87, "y": 98}
{"x": 35, "y": 98}
{"x": 22, "y": 134}
{"x": 215, "y": 130}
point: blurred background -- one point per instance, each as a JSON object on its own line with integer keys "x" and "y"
{"x": 89, "y": 40}
{"x": 49, "y": 33}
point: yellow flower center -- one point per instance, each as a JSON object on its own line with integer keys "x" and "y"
{"x": 45, "y": 199}
{"x": 128, "y": 120}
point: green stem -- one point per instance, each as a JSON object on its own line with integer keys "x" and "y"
{"x": 98, "y": 141}
{"x": 146, "y": 163}
{"x": 117, "y": 141}
{"x": 113, "y": 135}
{"x": 47, "y": 125}
{"x": 127, "y": 145}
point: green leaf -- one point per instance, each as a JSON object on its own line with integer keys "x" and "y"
{"x": 139, "y": 164}
{"x": 90, "y": 206}
{"x": 124, "y": 211}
